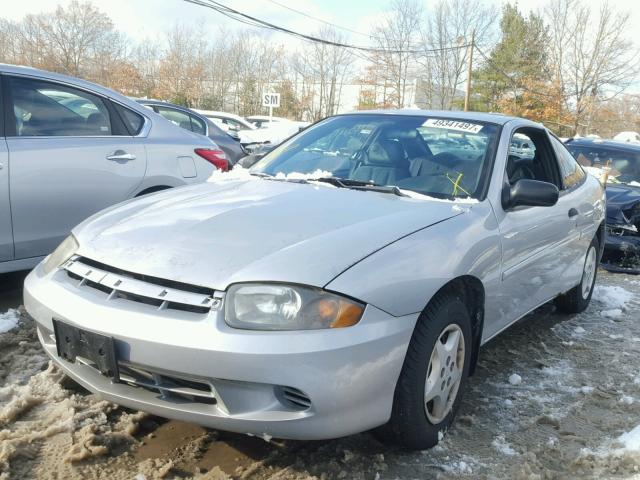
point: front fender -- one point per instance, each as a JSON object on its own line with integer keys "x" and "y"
{"x": 402, "y": 277}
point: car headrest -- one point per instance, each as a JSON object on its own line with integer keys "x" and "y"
{"x": 385, "y": 153}
{"x": 97, "y": 121}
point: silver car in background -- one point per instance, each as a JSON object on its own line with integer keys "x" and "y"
{"x": 346, "y": 283}
{"x": 69, "y": 148}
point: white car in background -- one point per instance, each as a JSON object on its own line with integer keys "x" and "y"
{"x": 250, "y": 135}
{"x": 631, "y": 137}
{"x": 262, "y": 121}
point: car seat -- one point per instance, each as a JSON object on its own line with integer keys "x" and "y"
{"x": 384, "y": 163}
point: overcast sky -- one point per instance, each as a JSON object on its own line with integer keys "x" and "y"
{"x": 150, "y": 18}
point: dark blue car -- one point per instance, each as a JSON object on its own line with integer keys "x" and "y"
{"x": 622, "y": 247}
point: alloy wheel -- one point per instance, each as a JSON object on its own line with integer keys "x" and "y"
{"x": 444, "y": 373}
{"x": 589, "y": 272}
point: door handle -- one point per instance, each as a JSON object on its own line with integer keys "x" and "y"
{"x": 121, "y": 155}
{"x": 573, "y": 212}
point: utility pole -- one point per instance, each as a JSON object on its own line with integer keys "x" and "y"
{"x": 468, "y": 92}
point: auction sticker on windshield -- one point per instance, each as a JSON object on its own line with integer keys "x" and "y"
{"x": 453, "y": 125}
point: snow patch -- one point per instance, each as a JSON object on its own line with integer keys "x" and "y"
{"x": 303, "y": 176}
{"x": 237, "y": 173}
{"x": 9, "y": 320}
{"x": 586, "y": 389}
{"x": 579, "y": 330}
{"x": 626, "y": 400}
{"x": 613, "y": 313}
{"x": 515, "y": 379}
{"x": 612, "y": 296}
{"x": 500, "y": 444}
{"x": 630, "y": 440}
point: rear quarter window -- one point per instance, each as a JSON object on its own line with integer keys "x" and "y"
{"x": 132, "y": 120}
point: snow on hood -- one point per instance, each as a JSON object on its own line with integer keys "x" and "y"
{"x": 249, "y": 229}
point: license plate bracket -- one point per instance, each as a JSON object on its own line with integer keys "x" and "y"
{"x": 73, "y": 342}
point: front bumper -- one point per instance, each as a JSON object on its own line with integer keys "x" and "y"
{"x": 346, "y": 376}
{"x": 622, "y": 253}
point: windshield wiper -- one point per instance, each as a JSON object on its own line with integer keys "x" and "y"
{"x": 266, "y": 176}
{"x": 360, "y": 185}
{"x": 344, "y": 182}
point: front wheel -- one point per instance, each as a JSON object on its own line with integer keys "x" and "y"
{"x": 577, "y": 299}
{"x": 433, "y": 376}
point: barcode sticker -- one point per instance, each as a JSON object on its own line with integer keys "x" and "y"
{"x": 453, "y": 125}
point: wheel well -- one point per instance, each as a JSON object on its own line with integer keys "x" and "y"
{"x": 471, "y": 292}
{"x": 157, "y": 188}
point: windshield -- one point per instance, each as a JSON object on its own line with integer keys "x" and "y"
{"x": 438, "y": 157}
{"x": 624, "y": 163}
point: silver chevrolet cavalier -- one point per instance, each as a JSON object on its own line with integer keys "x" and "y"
{"x": 345, "y": 283}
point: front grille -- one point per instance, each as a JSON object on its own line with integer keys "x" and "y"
{"x": 295, "y": 398}
{"x": 171, "y": 387}
{"x": 158, "y": 293}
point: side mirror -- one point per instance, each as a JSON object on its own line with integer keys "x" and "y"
{"x": 533, "y": 193}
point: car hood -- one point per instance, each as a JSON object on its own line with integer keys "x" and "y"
{"x": 623, "y": 198}
{"x": 216, "y": 234}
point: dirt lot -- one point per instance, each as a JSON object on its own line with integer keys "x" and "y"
{"x": 554, "y": 397}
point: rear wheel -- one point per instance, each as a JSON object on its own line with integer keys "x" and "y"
{"x": 433, "y": 376}
{"x": 577, "y": 299}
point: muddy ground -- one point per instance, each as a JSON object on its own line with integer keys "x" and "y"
{"x": 576, "y": 389}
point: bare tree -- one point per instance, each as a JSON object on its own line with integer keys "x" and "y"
{"x": 8, "y": 42}
{"x": 593, "y": 54}
{"x": 323, "y": 69}
{"x": 450, "y": 23}
{"x": 69, "y": 38}
{"x": 397, "y": 37}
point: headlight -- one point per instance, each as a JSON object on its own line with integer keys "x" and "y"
{"x": 61, "y": 254}
{"x": 288, "y": 307}
{"x": 620, "y": 229}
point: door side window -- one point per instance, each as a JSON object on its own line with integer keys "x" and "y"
{"x": 572, "y": 174}
{"x": 50, "y": 109}
{"x": 531, "y": 157}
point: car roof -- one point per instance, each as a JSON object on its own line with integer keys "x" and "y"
{"x": 58, "y": 77}
{"x": 149, "y": 101}
{"x": 596, "y": 142}
{"x": 496, "y": 118}
{"x": 219, "y": 114}
{"x": 264, "y": 117}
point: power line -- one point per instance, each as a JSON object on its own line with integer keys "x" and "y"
{"x": 256, "y": 22}
{"x": 321, "y": 20}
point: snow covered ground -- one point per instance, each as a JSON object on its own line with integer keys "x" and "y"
{"x": 554, "y": 397}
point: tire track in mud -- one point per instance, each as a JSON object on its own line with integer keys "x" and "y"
{"x": 579, "y": 390}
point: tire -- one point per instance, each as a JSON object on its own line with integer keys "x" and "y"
{"x": 577, "y": 299}
{"x": 415, "y": 423}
